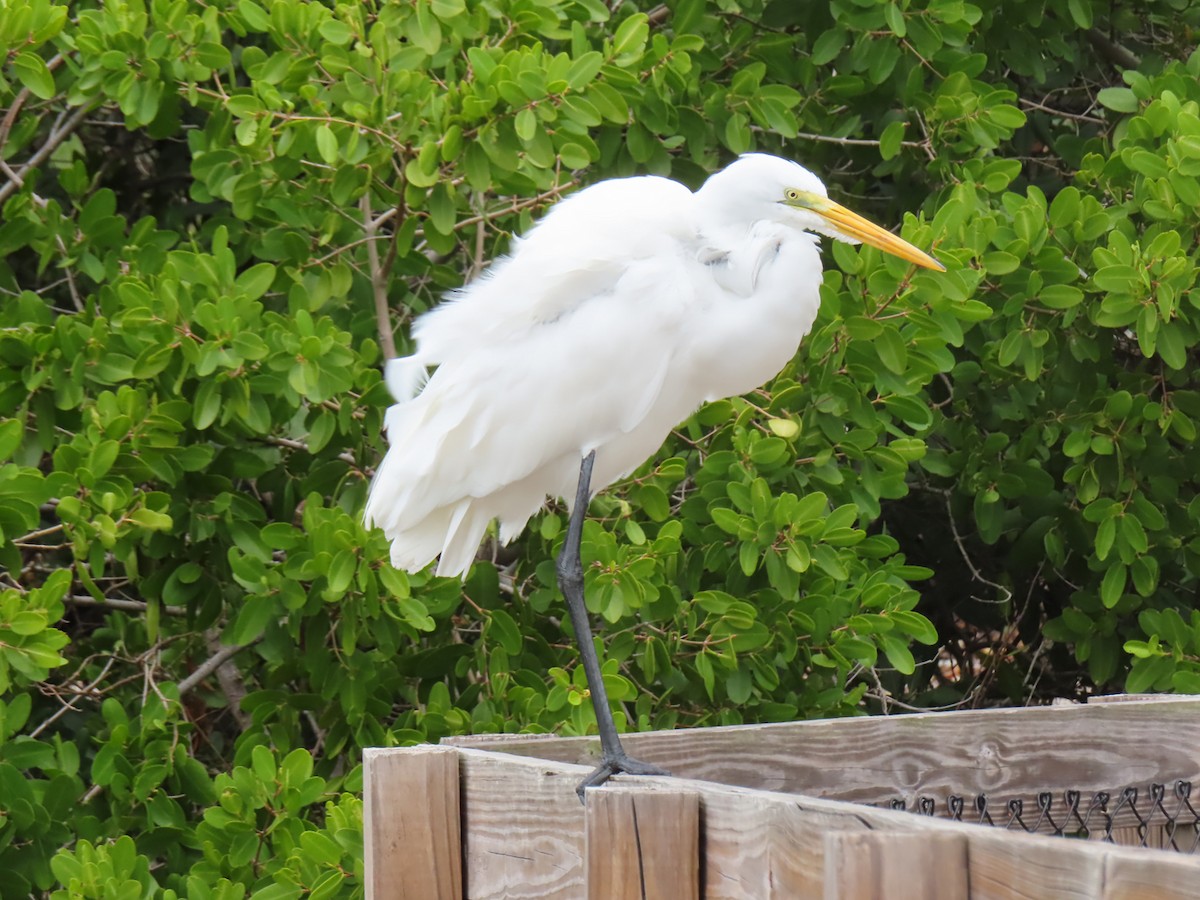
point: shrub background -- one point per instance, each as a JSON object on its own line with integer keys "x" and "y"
{"x": 973, "y": 488}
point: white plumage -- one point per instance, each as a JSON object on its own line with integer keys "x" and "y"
{"x": 630, "y": 304}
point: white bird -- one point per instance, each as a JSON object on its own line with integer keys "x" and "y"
{"x": 568, "y": 362}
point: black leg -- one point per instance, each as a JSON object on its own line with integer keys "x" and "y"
{"x": 613, "y": 758}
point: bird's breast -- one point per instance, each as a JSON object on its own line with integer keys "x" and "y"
{"x": 758, "y": 308}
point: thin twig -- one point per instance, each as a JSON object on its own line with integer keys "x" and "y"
{"x": 851, "y": 142}
{"x": 1062, "y": 113}
{"x": 383, "y": 317}
{"x": 291, "y": 444}
{"x": 1119, "y": 56}
{"x": 9, "y": 118}
{"x": 478, "y": 263}
{"x": 958, "y": 704}
{"x": 70, "y": 704}
{"x": 128, "y": 605}
{"x": 43, "y": 152}
{"x": 230, "y": 679}
{"x": 211, "y": 664}
{"x": 658, "y": 15}
{"x": 42, "y": 203}
{"x": 962, "y": 549}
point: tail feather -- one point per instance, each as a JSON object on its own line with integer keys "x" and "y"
{"x": 405, "y": 376}
{"x": 462, "y": 539}
{"x": 415, "y": 548}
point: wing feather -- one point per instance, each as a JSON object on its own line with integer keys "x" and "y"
{"x": 572, "y": 343}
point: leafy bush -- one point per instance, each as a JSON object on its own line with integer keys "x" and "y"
{"x": 217, "y": 220}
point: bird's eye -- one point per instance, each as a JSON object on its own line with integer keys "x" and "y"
{"x": 792, "y": 194}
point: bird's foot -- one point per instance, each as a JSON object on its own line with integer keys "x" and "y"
{"x": 612, "y": 765}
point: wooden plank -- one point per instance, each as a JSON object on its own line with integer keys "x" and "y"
{"x": 1003, "y": 753}
{"x": 764, "y": 845}
{"x": 1150, "y": 875}
{"x": 887, "y": 866}
{"x": 1139, "y": 698}
{"x": 523, "y": 828}
{"x": 412, "y": 843}
{"x": 642, "y": 844}
{"x": 1006, "y": 865}
{"x": 756, "y": 845}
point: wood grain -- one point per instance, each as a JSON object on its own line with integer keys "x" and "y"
{"x": 1150, "y": 875}
{"x": 412, "y": 845}
{"x": 524, "y": 838}
{"x": 886, "y": 866}
{"x": 523, "y": 831}
{"x": 642, "y": 844}
{"x": 1003, "y": 753}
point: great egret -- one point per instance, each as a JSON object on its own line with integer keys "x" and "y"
{"x": 569, "y": 362}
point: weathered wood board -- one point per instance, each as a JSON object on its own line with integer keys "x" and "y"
{"x": 1003, "y": 753}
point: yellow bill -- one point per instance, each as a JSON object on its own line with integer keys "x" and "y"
{"x": 855, "y": 226}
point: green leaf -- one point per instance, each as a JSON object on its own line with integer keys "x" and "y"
{"x": 630, "y": 36}
{"x": 738, "y": 137}
{"x": 1118, "y": 99}
{"x": 426, "y": 32}
{"x": 1081, "y": 12}
{"x": 893, "y": 352}
{"x": 336, "y": 32}
{"x": 341, "y": 571}
{"x": 583, "y": 69}
{"x": 255, "y": 281}
{"x": 574, "y": 156}
{"x": 1106, "y": 534}
{"x": 1060, "y": 296}
{"x": 654, "y": 502}
{"x": 327, "y": 144}
{"x": 726, "y": 519}
{"x": 828, "y": 46}
{"x": 296, "y": 768}
{"x": 207, "y": 404}
{"x": 26, "y": 622}
{"x": 320, "y": 848}
{"x": 1171, "y": 347}
{"x": 151, "y": 520}
{"x": 1145, "y": 673}
{"x": 788, "y": 429}
{"x": 254, "y": 16}
{"x": 526, "y": 124}
{"x": 915, "y": 625}
{"x": 892, "y": 136}
{"x": 502, "y": 628}
{"x": 895, "y": 20}
{"x": 898, "y": 654}
{"x": 33, "y": 73}
{"x": 1112, "y": 586}
{"x": 262, "y": 761}
{"x": 11, "y": 431}
{"x": 1134, "y": 534}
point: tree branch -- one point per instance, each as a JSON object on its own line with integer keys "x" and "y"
{"x": 211, "y": 665}
{"x": 70, "y": 704}
{"x": 230, "y": 679}
{"x": 291, "y": 444}
{"x": 383, "y": 317}
{"x": 57, "y": 136}
{"x": 1112, "y": 51}
{"x": 962, "y": 549}
{"x": 127, "y": 605}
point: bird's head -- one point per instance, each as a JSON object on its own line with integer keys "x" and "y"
{"x": 758, "y": 186}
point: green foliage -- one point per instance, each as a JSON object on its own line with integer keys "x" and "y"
{"x": 203, "y": 205}
{"x": 1080, "y": 446}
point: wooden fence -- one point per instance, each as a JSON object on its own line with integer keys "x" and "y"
{"x": 780, "y": 811}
